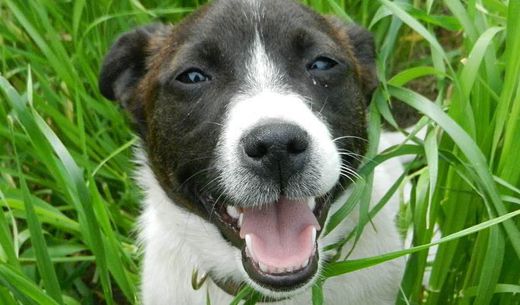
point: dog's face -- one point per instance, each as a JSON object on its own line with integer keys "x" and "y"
{"x": 252, "y": 115}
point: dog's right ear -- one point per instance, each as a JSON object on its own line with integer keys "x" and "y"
{"x": 126, "y": 64}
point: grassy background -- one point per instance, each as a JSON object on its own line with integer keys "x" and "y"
{"x": 69, "y": 203}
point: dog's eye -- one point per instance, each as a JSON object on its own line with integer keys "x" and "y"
{"x": 193, "y": 76}
{"x": 322, "y": 63}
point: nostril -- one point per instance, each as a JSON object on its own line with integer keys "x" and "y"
{"x": 255, "y": 149}
{"x": 297, "y": 145}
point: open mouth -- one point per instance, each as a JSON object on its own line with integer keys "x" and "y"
{"x": 278, "y": 241}
{"x": 280, "y": 251}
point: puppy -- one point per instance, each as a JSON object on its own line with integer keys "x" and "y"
{"x": 252, "y": 115}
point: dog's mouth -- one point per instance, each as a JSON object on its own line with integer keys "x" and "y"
{"x": 281, "y": 249}
{"x": 278, "y": 241}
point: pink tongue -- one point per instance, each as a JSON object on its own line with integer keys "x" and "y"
{"x": 281, "y": 233}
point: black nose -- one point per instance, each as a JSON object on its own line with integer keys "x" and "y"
{"x": 276, "y": 150}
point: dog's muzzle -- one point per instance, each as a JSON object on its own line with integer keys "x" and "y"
{"x": 277, "y": 164}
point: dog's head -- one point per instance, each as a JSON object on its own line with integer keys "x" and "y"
{"x": 253, "y": 117}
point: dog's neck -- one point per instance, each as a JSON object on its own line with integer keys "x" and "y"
{"x": 227, "y": 286}
{"x": 232, "y": 288}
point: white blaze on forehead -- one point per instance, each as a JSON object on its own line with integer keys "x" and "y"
{"x": 262, "y": 73}
{"x": 254, "y": 7}
{"x": 254, "y": 4}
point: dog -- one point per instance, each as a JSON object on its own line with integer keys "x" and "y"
{"x": 253, "y": 120}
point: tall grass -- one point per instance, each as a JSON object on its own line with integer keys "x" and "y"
{"x": 69, "y": 203}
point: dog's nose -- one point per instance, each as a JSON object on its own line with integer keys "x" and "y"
{"x": 277, "y": 150}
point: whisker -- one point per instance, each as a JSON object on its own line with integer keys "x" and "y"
{"x": 193, "y": 176}
{"x": 351, "y": 178}
{"x": 350, "y": 171}
{"x": 349, "y": 137}
{"x": 324, "y": 104}
{"x": 215, "y": 123}
{"x": 215, "y": 205}
{"x": 340, "y": 185}
{"x": 360, "y": 159}
{"x": 347, "y": 176}
{"x": 346, "y": 152}
{"x": 208, "y": 184}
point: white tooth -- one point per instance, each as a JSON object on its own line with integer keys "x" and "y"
{"x": 232, "y": 211}
{"x": 240, "y": 219}
{"x": 305, "y": 263}
{"x": 263, "y": 267}
{"x": 311, "y": 203}
{"x": 249, "y": 247}
{"x": 313, "y": 235}
{"x": 248, "y": 253}
{"x": 249, "y": 242}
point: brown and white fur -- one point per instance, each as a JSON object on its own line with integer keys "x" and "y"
{"x": 245, "y": 106}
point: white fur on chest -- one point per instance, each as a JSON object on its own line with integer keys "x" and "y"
{"x": 176, "y": 242}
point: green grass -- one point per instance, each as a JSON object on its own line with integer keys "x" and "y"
{"x": 69, "y": 204}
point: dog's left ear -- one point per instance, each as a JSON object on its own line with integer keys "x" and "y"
{"x": 126, "y": 63}
{"x": 361, "y": 42}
